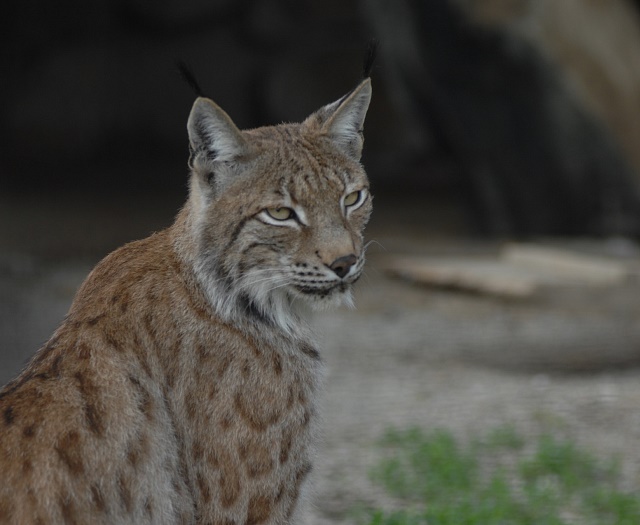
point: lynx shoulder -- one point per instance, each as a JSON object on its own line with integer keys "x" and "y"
{"x": 181, "y": 387}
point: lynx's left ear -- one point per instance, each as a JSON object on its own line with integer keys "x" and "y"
{"x": 343, "y": 120}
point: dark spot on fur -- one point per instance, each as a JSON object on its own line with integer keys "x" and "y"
{"x": 138, "y": 450}
{"x": 192, "y": 408}
{"x": 213, "y": 392}
{"x": 257, "y": 421}
{"x": 229, "y": 487}
{"x": 258, "y": 468}
{"x": 70, "y": 453}
{"x": 290, "y": 397}
{"x": 95, "y": 320}
{"x": 69, "y": 513}
{"x": 198, "y": 307}
{"x": 257, "y": 457}
{"x": 29, "y": 431}
{"x": 285, "y": 447}
{"x": 306, "y": 418}
{"x": 294, "y": 490}
{"x": 248, "y": 306}
{"x": 121, "y": 301}
{"x": 112, "y": 342}
{"x": 6, "y": 510}
{"x": 124, "y": 488}
{"x": 280, "y": 493}
{"x": 302, "y": 396}
{"x": 145, "y": 402}
{"x": 256, "y": 351}
{"x": 170, "y": 378}
{"x": 213, "y": 460}
{"x": 259, "y": 510}
{"x": 205, "y": 489}
{"x": 148, "y": 508}
{"x": 226, "y": 421}
{"x": 224, "y": 364}
{"x": 98, "y": 498}
{"x": 303, "y": 472}
{"x": 309, "y": 350}
{"x": 94, "y": 420}
{"x": 9, "y": 416}
{"x": 84, "y": 352}
{"x": 277, "y": 363}
{"x": 51, "y": 344}
{"x": 55, "y": 366}
{"x": 89, "y": 393}
{"x": 197, "y": 451}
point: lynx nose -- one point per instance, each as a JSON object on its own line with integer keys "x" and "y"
{"x": 342, "y": 265}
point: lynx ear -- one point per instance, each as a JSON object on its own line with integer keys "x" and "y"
{"x": 343, "y": 120}
{"x": 212, "y": 131}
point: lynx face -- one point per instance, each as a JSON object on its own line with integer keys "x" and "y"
{"x": 280, "y": 210}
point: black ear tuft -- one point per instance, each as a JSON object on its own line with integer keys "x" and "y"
{"x": 187, "y": 75}
{"x": 370, "y": 57}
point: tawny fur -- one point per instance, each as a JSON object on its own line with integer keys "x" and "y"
{"x": 182, "y": 385}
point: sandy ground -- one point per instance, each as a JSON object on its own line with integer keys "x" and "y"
{"x": 565, "y": 362}
{"x": 404, "y": 359}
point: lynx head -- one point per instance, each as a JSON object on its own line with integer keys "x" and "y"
{"x": 277, "y": 213}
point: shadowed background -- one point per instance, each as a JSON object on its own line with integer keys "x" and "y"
{"x": 522, "y": 115}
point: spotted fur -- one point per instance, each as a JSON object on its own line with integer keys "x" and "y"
{"x": 182, "y": 385}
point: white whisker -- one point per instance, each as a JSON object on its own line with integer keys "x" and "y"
{"x": 260, "y": 280}
{"x": 282, "y": 285}
{"x": 372, "y": 241}
{"x": 236, "y": 279}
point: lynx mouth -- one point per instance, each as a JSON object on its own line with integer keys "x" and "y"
{"x": 341, "y": 287}
{"x": 327, "y": 289}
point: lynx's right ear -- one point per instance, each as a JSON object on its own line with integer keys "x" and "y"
{"x": 213, "y": 132}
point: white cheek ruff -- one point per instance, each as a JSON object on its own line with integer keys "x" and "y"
{"x": 261, "y": 294}
{"x": 272, "y": 295}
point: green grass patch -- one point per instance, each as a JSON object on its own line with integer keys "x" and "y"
{"x": 501, "y": 478}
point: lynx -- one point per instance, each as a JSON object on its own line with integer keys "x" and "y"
{"x": 182, "y": 385}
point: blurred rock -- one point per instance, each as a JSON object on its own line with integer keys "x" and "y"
{"x": 596, "y": 44}
{"x": 531, "y": 157}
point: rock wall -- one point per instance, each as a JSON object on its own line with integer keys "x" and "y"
{"x": 526, "y": 148}
{"x": 595, "y": 44}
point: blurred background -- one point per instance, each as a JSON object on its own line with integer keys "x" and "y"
{"x": 493, "y": 121}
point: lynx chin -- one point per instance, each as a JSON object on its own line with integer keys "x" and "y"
{"x": 182, "y": 385}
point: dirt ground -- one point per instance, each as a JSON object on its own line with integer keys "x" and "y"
{"x": 433, "y": 359}
{"x": 564, "y": 362}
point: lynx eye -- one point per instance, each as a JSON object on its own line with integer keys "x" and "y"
{"x": 281, "y": 214}
{"x": 352, "y": 199}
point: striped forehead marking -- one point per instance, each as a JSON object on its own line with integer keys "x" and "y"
{"x": 305, "y": 165}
